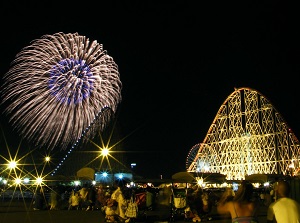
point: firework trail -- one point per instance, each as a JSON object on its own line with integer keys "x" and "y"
{"x": 57, "y": 88}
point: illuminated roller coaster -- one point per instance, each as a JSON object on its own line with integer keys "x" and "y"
{"x": 248, "y": 136}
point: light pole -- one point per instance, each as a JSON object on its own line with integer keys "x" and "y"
{"x": 132, "y": 165}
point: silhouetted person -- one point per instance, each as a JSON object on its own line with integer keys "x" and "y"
{"x": 38, "y": 200}
{"x": 54, "y": 199}
{"x": 91, "y": 198}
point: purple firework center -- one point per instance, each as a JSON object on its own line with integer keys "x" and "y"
{"x": 71, "y": 81}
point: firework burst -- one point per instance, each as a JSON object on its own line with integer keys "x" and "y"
{"x": 59, "y": 88}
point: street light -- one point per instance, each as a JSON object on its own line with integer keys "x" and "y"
{"x": 39, "y": 181}
{"x": 47, "y": 158}
{"x": 105, "y": 152}
{"x": 12, "y": 164}
{"x": 18, "y": 181}
{"x": 132, "y": 166}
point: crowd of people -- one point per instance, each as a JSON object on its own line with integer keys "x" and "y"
{"x": 113, "y": 201}
{"x": 121, "y": 204}
{"x": 87, "y": 197}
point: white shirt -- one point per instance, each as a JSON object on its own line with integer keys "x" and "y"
{"x": 284, "y": 210}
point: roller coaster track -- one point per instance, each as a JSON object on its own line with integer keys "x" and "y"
{"x": 247, "y": 136}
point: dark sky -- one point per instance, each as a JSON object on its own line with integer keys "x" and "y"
{"x": 178, "y": 62}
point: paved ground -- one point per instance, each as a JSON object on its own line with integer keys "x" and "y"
{"x": 22, "y": 212}
{"x": 19, "y": 211}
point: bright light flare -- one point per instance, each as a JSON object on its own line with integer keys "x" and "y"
{"x": 18, "y": 181}
{"x": 77, "y": 183}
{"x": 12, "y": 164}
{"x": 105, "y": 152}
{"x": 39, "y": 180}
{"x": 200, "y": 181}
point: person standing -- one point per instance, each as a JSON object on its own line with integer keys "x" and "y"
{"x": 54, "y": 199}
{"x": 101, "y": 197}
{"x": 132, "y": 209}
{"x": 241, "y": 207}
{"x": 284, "y": 209}
{"x": 83, "y": 193}
{"x": 74, "y": 201}
{"x": 196, "y": 204}
{"x": 119, "y": 197}
{"x": 91, "y": 198}
{"x": 39, "y": 200}
{"x": 149, "y": 198}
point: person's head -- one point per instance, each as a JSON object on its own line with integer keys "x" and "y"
{"x": 282, "y": 189}
{"x": 244, "y": 192}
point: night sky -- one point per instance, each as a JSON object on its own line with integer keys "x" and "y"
{"x": 178, "y": 62}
